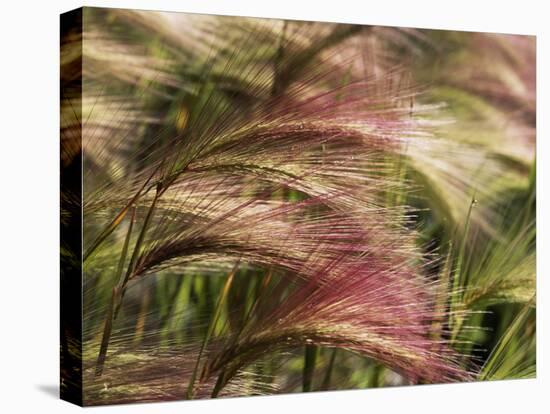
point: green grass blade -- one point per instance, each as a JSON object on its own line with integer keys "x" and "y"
{"x": 310, "y": 358}
{"x": 211, "y": 327}
{"x": 328, "y": 375}
{"x": 500, "y": 348}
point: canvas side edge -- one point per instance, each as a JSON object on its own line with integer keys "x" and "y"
{"x": 71, "y": 207}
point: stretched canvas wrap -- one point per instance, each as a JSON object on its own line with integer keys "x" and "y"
{"x": 256, "y": 206}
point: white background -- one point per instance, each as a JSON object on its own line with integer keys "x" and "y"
{"x": 29, "y": 235}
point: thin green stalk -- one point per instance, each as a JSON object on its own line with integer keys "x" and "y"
{"x": 458, "y": 271}
{"x": 165, "y": 319}
{"x": 328, "y": 375}
{"x": 220, "y": 383}
{"x": 211, "y": 327}
{"x": 119, "y": 290}
{"x": 222, "y": 378}
{"x": 106, "y": 334}
{"x": 310, "y": 357}
{"x": 456, "y": 297}
{"x": 114, "y": 298}
{"x": 442, "y": 296}
{"x": 137, "y": 248}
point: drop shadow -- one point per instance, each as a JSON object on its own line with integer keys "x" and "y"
{"x": 49, "y": 389}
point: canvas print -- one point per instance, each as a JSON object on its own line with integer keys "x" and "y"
{"x": 255, "y": 206}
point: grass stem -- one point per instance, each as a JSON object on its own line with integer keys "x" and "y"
{"x": 328, "y": 375}
{"x": 310, "y": 357}
{"x": 211, "y": 327}
{"x": 115, "y": 297}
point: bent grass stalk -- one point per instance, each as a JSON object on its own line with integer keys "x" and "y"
{"x": 137, "y": 248}
{"x": 118, "y": 292}
{"x": 456, "y": 300}
{"x": 115, "y": 297}
{"x": 117, "y": 220}
{"x": 500, "y": 348}
{"x": 211, "y": 327}
{"x": 261, "y": 290}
